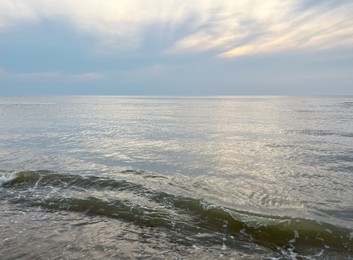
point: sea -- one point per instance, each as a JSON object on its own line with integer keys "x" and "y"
{"x": 110, "y": 177}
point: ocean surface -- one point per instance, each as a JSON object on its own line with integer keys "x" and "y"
{"x": 176, "y": 178}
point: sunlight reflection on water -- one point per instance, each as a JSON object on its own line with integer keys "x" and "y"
{"x": 258, "y": 153}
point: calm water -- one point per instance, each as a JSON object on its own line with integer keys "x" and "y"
{"x": 195, "y": 178}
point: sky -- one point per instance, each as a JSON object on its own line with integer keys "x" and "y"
{"x": 174, "y": 47}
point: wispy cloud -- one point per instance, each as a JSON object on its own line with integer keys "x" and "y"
{"x": 87, "y": 76}
{"x": 3, "y": 72}
{"x": 38, "y": 75}
{"x": 227, "y": 28}
{"x": 143, "y": 74}
{"x": 51, "y": 75}
{"x": 272, "y": 26}
{"x": 318, "y": 28}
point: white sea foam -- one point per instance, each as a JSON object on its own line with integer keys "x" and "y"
{"x": 6, "y": 177}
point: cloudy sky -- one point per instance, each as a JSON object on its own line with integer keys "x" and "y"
{"x": 174, "y": 47}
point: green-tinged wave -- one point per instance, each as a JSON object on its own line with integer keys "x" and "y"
{"x": 192, "y": 216}
{"x": 46, "y": 178}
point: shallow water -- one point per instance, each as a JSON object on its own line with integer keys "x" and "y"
{"x": 132, "y": 177}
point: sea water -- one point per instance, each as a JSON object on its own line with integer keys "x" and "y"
{"x": 176, "y": 177}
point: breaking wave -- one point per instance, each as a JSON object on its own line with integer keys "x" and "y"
{"x": 136, "y": 203}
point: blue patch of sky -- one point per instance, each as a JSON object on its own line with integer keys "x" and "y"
{"x": 47, "y": 46}
{"x": 305, "y": 5}
{"x": 54, "y": 46}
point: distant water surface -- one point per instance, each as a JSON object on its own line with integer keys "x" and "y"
{"x": 163, "y": 177}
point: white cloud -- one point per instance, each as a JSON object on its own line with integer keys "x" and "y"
{"x": 231, "y": 28}
{"x": 13, "y": 12}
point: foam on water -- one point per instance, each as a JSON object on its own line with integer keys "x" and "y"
{"x": 95, "y": 196}
{"x": 6, "y": 177}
